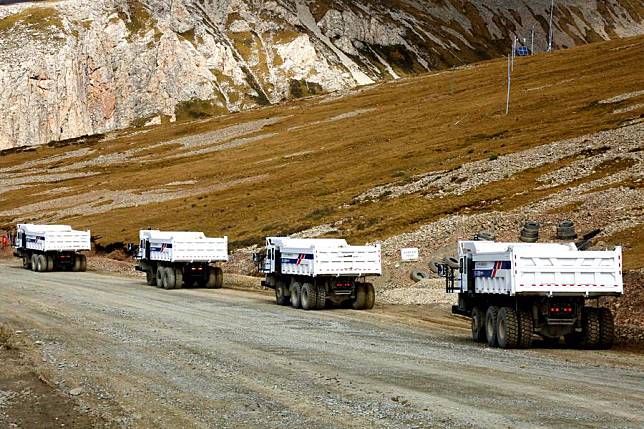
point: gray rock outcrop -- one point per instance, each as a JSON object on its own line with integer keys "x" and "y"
{"x": 80, "y": 67}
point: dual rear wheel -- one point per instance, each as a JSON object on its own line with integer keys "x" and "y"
{"x": 597, "y": 330}
{"x": 169, "y": 277}
{"x": 45, "y": 263}
{"x": 307, "y": 296}
{"x": 502, "y": 327}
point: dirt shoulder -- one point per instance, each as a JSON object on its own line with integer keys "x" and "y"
{"x": 27, "y": 398}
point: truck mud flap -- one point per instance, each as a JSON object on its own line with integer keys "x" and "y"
{"x": 457, "y": 310}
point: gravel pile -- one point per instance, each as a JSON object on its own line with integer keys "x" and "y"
{"x": 430, "y": 291}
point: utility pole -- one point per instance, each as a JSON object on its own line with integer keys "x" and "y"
{"x": 550, "y": 32}
{"x": 532, "y": 42}
{"x": 514, "y": 48}
{"x": 507, "y": 102}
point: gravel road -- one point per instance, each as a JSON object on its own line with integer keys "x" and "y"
{"x": 146, "y": 357}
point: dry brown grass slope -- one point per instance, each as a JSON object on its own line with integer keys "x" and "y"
{"x": 308, "y": 160}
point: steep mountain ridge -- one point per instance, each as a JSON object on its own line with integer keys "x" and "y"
{"x": 79, "y": 67}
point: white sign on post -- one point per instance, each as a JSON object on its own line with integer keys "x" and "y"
{"x": 409, "y": 254}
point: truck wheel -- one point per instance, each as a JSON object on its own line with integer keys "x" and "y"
{"x": 159, "y": 277}
{"x": 83, "y": 263}
{"x": 478, "y": 325}
{"x": 280, "y": 294}
{"x": 42, "y": 263}
{"x": 371, "y": 296}
{"x": 219, "y": 278}
{"x": 507, "y": 328}
{"x": 26, "y": 262}
{"x": 34, "y": 262}
{"x": 212, "y": 278}
{"x": 151, "y": 278}
{"x": 296, "y": 291}
{"x": 490, "y": 325}
{"x": 169, "y": 278}
{"x": 50, "y": 262}
{"x": 361, "y": 297}
{"x": 606, "y": 328}
{"x": 178, "y": 278}
{"x": 76, "y": 265}
{"x": 308, "y": 297}
{"x": 526, "y": 328}
{"x": 321, "y": 297}
{"x": 590, "y": 328}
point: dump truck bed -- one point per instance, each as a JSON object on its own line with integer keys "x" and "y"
{"x": 543, "y": 269}
{"x": 169, "y": 246}
{"x": 50, "y": 238}
{"x": 327, "y": 257}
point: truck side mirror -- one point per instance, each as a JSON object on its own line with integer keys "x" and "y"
{"x": 258, "y": 257}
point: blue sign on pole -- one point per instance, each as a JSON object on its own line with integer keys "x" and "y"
{"x": 522, "y": 51}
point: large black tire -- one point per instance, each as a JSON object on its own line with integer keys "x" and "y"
{"x": 531, "y": 225}
{"x": 83, "y": 259}
{"x": 490, "y": 325}
{"x": 566, "y": 224}
{"x": 178, "y": 278}
{"x": 360, "y": 302}
{"x": 434, "y": 264}
{"x": 371, "y": 296}
{"x": 26, "y": 262}
{"x": 211, "y": 282}
{"x": 296, "y": 292}
{"x": 526, "y": 328}
{"x": 151, "y": 278}
{"x": 507, "y": 328}
{"x": 159, "y": 277}
{"x": 453, "y": 262}
{"x": 486, "y": 236}
{"x": 50, "y": 262}
{"x": 418, "y": 275}
{"x": 525, "y": 239}
{"x": 308, "y": 297}
{"x": 219, "y": 274}
{"x": 280, "y": 294}
{"x": 478, "y": 325}
{"x": 590, "y": 328}
{"x": 76, "y": 265}
{"x": 169, "y": 279}
{"x": 42, "y": 263}
{"x": 321, "y": 297}
{"x": 606, "y": 328}
{"x": 34, "y": 262}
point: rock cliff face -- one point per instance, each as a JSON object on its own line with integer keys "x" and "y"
{"x": 79, "y": 67}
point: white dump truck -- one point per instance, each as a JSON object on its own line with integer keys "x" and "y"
{"x": 51, "y": 247}
{"x": 172, "y": 259}
{"x": 308, "y": 273}
{"x": 514, "y": 290}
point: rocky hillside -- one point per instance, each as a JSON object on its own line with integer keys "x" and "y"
{"x": 81, "y": 67}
